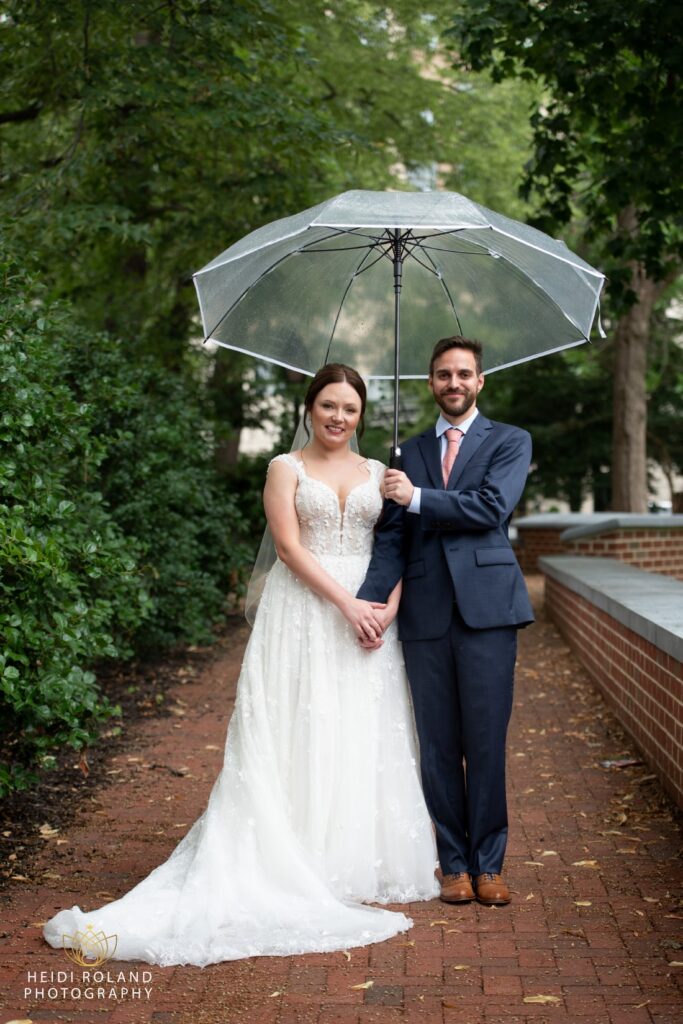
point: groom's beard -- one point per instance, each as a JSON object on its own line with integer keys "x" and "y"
{"x": 455, "y": 405}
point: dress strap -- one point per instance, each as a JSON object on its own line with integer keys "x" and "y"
{"x": 377, "y": 468}
{"x": 289, "y": 459}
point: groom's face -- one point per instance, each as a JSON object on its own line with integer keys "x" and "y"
{"x": 455, "y": 383}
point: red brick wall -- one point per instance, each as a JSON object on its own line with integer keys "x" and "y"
{"x": 643, "y": 685}
{"x": 534, "y": 543}
{"x": 657, "y": 550}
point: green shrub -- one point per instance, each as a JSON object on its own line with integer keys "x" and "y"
{"x": 117, "y": 535}
{"x": 70, "y": 593}
{"x": 160, "y": 483}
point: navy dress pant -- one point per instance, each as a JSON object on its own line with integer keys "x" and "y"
{"x": 461, "y": 685}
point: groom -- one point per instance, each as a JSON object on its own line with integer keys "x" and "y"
{"x": 445, "y": 533}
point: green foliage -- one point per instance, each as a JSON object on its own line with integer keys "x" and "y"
{"x": 159, "y": 481}
{"x": 665, "y": 391}
{"x": 564, "y": 402}
{"x": 70, "y": 590}
{"x": 608, "y": 134}
{"x": 117, "y": 536}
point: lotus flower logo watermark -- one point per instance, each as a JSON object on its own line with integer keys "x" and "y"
{"x": 89, "y": 948}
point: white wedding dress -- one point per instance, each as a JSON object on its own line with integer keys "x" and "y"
{"x": 318, "y": 808}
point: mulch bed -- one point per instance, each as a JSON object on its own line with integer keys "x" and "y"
{"x": 140, "y": 688}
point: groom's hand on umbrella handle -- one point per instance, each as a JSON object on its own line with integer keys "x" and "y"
{"x": 398, "y": 487}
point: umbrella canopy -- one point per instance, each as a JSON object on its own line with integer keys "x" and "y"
{"x": 319, "y": 286}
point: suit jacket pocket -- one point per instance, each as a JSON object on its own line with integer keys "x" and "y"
{"x": 414, "y": 569}
{"x": 495, "y": 556}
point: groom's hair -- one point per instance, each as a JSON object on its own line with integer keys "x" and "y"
{"x": 337, "y": 373}
{"x": 457, "y": 341}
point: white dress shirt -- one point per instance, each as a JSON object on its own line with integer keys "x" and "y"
{"x": 442, "y": 425}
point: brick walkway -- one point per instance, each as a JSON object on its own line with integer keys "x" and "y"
{"x": 594, "y": 933}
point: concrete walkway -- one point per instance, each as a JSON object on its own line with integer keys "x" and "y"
{"x": 595, "y": 932}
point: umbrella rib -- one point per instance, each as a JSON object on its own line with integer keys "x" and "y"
{"x": 356, "y": 272}
{"x": 343, "y": 248}
{"x": 265, "y": 273}
{"x": 337, "y": 233}
{"x": 430, "y": 270}
{"x": 381, "y": 256}
{"x": 446, "y": 289}
{"x": 249, "y": 287}
{"x": 455, "y": 252}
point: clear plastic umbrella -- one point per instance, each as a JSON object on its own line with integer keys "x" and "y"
{"x": 324, "y": 286}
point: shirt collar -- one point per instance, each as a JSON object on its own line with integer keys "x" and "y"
{"x": 442, "y": 424}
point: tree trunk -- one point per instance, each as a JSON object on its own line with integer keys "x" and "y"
{"x": 225, "y": 390}
{"x": 629, "y": 449}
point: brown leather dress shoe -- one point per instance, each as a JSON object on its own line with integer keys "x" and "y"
{"x": 457, "y": 888}
{"x": 492, "y": 890}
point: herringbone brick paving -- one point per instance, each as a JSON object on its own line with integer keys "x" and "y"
{"x": 594, "y": 933}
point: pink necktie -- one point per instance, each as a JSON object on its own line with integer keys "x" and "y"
{"x": 454, "y": 436}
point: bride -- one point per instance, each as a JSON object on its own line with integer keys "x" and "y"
{"x": 318, "y": 809}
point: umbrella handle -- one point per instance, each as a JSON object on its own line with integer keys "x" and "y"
{"x": 395, "y": 459}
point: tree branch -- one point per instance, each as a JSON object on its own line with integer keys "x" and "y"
{"x": 29, "y": 113}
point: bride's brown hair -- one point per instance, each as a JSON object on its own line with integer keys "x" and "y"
{"x": 337, "y": 373}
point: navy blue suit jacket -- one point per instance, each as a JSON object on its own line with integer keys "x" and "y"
{"x": 457, "y": 548}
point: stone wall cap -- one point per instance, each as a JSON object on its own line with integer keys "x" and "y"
{"x": 598, "y": 521}
{"x": 648, "y": 603}
{"x": 561, "y": 520}
{"x": 625, "y": 521}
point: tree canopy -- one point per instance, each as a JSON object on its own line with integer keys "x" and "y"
{"x": 607, "y": 155}
{"x": 608, "y": 135}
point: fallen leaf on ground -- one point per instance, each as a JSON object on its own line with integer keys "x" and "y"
{"x": 535, "y": 863}
{"x": 674, "y": 917}
{"x": 461, "y": 967}
{"x": 616, "y": 832}
{"x": 550, "y": 853}
{"x": 273, "y": 994}
{"x": 585, "y": 864}
{"x": 583, "y": 903}
{"x": 433, "y": 923}
{"x": 365, "y": 984}
{"x": 47, "y": 830}
{"x": 675, "y": 963}
{"x": 410, "y": 943}
{"x": 541, "y": 999}
{"x": 530, "y": 896}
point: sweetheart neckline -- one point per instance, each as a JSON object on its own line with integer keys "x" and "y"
{"x": 317, "y": 480}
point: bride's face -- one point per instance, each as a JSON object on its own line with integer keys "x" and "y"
{"x": 335, "y": 414}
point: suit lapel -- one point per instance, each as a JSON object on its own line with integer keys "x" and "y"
{"x": 470, "y": 442}
{"x": 430, "y": 450}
